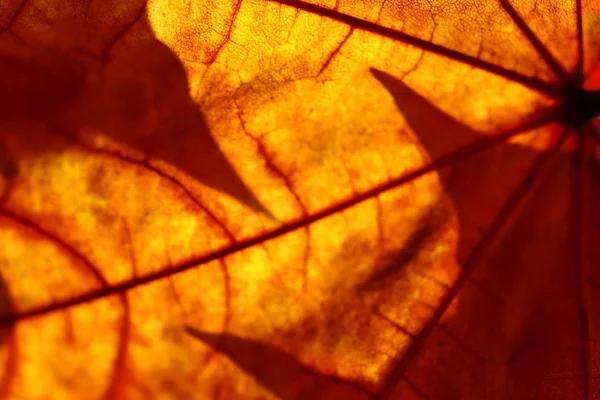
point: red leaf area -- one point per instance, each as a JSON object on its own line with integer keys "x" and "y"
{"x": 299, "y": 199}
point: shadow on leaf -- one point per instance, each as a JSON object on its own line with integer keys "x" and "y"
{"x": 475, "y": 180}
{"x": 439, "y": 134}
{"x": 276, "y": 370}
{"x": 8, "y": 164}
{"x": 427, "y": 231}
{"x": 513, "y": 234}
{"x": 139, "y": 96}
{"x": 7, "y": 342}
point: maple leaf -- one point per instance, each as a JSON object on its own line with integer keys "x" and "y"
{"x": 431, "y": 232}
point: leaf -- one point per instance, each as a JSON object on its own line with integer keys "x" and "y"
{"x": 295, "y": 199}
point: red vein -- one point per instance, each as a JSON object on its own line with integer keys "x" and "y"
{"x": 581, "y": 217}
{"x": 542, "y": 50}
{"x": 226, "y": 294}
{"x": 483, "y": 245}
{"x": 148, "y": 166}
{"x": 271, "y": 165}
{"x": 14, "y": 16}
{"x": 59, "y": 243}
{"x": 129, "y": 245}
{"x": 466, "y": 348}
{"x": 415, "y": 389}
{"x": 335, "y": 51}
{"x": 106, "y": 53}
{"x": 117, "y": 382}
{"x": 394, "y": 324}
{"x": 448, "y": 159}
{"x": 9, "y": 341}
{"x": 10, "y": 367}
{"x": 531, "y": 82}
{"x": 120, "y": 359}
{"x": 227, "y": 36}
{"x": 580, "y": 55}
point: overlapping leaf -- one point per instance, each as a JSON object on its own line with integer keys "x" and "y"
{"x": 287, "y": 199}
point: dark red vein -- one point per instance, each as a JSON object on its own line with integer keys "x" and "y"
{"x": 145, "y": 164}
{"x": 448, "y": 159}
{"x": 481, "y": 247}
{"x": 542, "y": 50}
{"x": 10, "y": 367}
{"x": 531, "y": 82}
{"x": 580, "y": 55}
{"x": 415, "y": 389}
{"x": 14, "y": 16}
{"x": 335, "y": 51}
{"x": 129, "y": 245}
{"x": 227, "y": 37}
{"x": 271, "y": 165}
{"x": 393, "y": 323}
{"x": 466, "y": 348}
{"x": 9, "y": 342}
{"x": 118, "y": 379}
{"x": 226, "y": 295}
{"x": 581, "y": 209}
{"x": 121, "y": 357}
{"x": 106, "y": 53}
{"x": 74, "y": 253}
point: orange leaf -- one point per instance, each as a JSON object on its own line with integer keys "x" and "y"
{"x": 290, "y": 199}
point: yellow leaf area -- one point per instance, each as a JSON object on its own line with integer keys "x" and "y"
{"x": 211, "y": 199}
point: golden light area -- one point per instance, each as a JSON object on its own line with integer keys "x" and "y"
{"x": 249, "y": 199}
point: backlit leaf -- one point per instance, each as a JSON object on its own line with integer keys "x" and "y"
{"x": 261, "y": 199}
